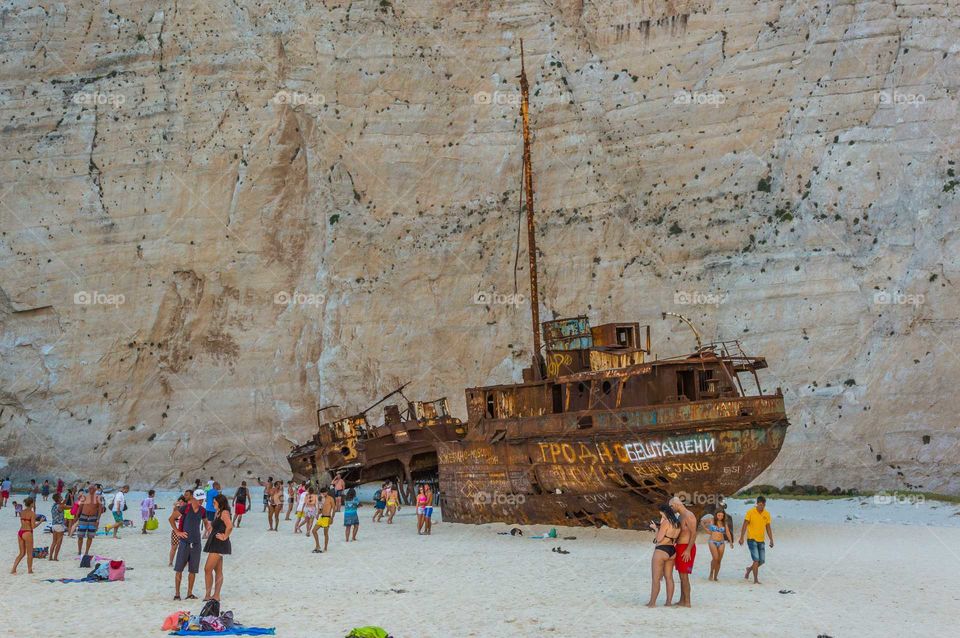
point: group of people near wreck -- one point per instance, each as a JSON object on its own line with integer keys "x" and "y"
{"x": 676, "y": 545}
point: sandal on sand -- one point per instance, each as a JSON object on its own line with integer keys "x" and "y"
{"x": 318, "y": 551}
{"x": 176, "y": 598}
{"x": 191, "y": 597}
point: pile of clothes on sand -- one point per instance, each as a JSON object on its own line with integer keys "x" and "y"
{"x": 210, "y": 622}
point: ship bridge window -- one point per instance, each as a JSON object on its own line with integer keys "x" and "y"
{"x": 556, "y": 394}
{"x": 491, "y": 406}
{"x": 625, "y": 337}
{"x": 685, "y": 387}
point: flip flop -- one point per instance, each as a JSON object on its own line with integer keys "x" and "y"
{"x": 191, "y": 597}
{"x": 176, "y": 598}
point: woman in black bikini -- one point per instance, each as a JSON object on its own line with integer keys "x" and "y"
{"x": 218, "y": 545}
{"x": 661, "y": 564}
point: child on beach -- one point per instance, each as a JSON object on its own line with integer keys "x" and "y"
{"x": 350, "y": 517}
{"x": 148, "y": 508}
{"x": 17, "y": 509}
{"x": 28, "y": 523}
{"x": 327, "y": 507}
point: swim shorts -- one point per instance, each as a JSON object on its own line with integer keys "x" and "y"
{"x": 323, "y": 521}
{"x": 428, "y": 511}
{"x": 380, "y": 504}
{"x": 349, "y": 520}
{"x": 685, "y": 567}
{"x": 241, "y": 509}
{"x": 87, "y": 526}
{"x": 118, "y": 518}
{"x": 758, "y": 551}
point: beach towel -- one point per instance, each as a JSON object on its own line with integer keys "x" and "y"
{"x": 76, "y": 580}
{"x": 236, "y": 630}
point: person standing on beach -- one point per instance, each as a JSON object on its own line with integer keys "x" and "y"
{"x": 148, "y": 507}
{"x": 279, "y": 500}
{"x": 218, "y": 546}
{"x": 755, "y": 523}
{"x": 174, "y": 538}
{"x": 301, "y": 505}
{"x": 28, "y": 523}
{"x": 428, "y": 510}
{"x": 90, "y": 508}
{"x": 58, "y": 525}
{"x": 60, "y": 486}
{"x": 209, "y": 507}
{"x": 327, "y": 508}
{"x": 241, "y": 503}
{"x": 189, "y": 548}
{"x": 379, "y": 504}
{"x": 4, "y": 491}
{"x": 664, "y": 554}
{"x": 351, "y": 520}
{"x": 267, "y": 489}
{"x": 393, "y": 503}
{"x": 45, "y": 490}
{"x": 339, "y": 485}
{"x": 291, "y": 497}
{"x": 311, "y": 507}
{"x": 421, "y": 504}
{"x": 686, "y": 548}
{"x": 34, "y": 490}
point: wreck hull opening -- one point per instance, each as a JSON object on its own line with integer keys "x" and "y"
{"x": 618, "y": 473}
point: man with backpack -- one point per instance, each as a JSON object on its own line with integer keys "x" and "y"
{"x": 119, "y": 504}
{"x": 186, "y": 523}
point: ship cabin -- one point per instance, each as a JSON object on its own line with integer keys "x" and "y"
{"x": 608, "y": 367}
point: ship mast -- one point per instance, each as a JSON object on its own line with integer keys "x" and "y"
{"x": 531, "y": 238}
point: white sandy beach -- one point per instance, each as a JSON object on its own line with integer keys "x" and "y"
{"x": 857, "y": 568}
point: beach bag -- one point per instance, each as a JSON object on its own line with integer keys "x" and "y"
{"x": 227, "y": 619}
{"x": 153, "y": 523}
{"x": 86, "y": 560}
{"x": 368, "y": 632}
{"x": 210, "y": 608}
{"x": 40, "y": 552}
{"x": 74, "y": 509}
{"x": 116, "y": 570}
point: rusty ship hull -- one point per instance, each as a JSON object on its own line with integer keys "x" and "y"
{"x": 632, "y": 461}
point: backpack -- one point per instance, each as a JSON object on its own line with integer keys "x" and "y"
{"x": 116, "y": 570}
{"x": 100, "y": 572}
{"x": 378, "y": 495}
{"x": 210, "y": 608}
{"x": 86, "y": 560}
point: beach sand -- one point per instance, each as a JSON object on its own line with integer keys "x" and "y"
{"x": 856, "y": 567}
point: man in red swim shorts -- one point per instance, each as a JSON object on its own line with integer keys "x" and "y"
{"x": 686, "y": 548}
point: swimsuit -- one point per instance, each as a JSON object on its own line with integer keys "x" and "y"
{"x": 718, "y": 530}
{"x": 669, "y": 550}
{"x": 87, "y": 526}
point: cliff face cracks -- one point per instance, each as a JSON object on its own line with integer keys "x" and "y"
{"x": 216, "y": 217}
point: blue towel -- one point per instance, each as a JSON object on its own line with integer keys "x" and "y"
{"x": 233, "y": 631}
{"x": 76, "y": 580}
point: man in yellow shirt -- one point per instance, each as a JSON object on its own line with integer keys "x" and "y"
{"x": 755, "y": 523}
